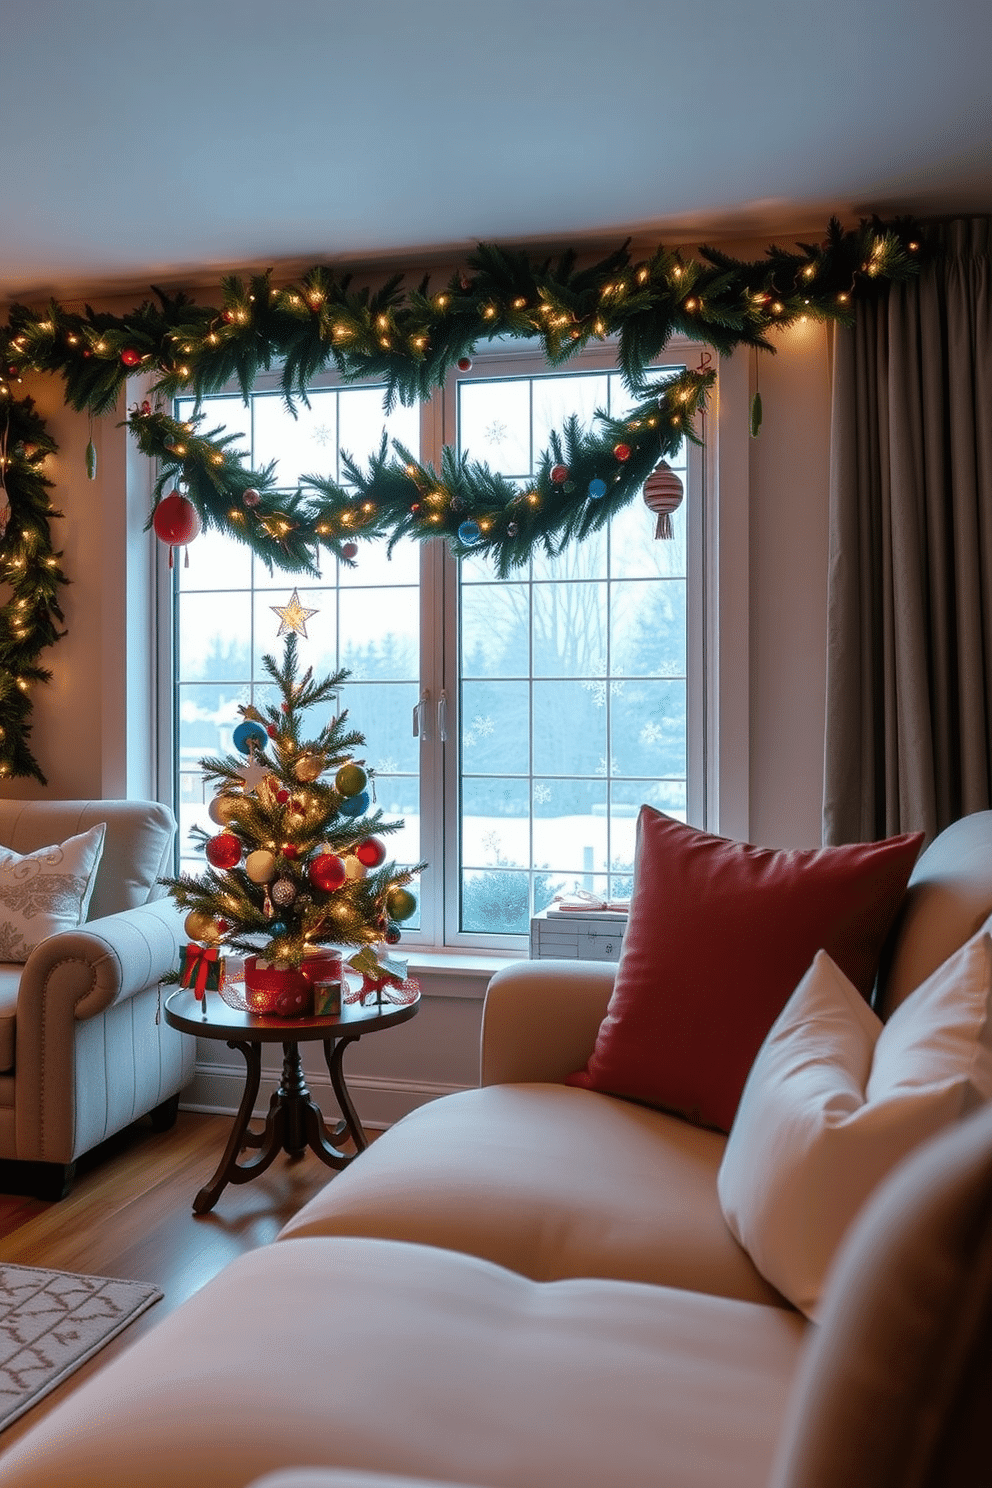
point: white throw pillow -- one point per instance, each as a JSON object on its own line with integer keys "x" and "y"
{"x": 47, "y": 891}
{"x": 835, "y": 1099}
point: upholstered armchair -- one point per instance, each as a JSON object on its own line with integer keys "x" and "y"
{"x": 86, "y": 933}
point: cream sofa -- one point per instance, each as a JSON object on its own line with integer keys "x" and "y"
{"x": 530, "y": 1284}
{"x": 84, "y": 1050}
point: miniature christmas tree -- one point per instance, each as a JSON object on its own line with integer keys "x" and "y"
{"x": 299, "y": 863}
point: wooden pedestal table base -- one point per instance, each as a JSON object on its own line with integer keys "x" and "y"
{"x": 294, "y": 1121}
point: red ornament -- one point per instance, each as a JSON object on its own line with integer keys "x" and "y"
{"x": 622, "y": 451}
{"x": 371, "y": 852}
{"x": 271, "y": 730}
{"x": 349, "y": 550}
{"x": 290, "y": 850}
{"x": 176, "y": 521}
{"x": 559, "y": 474}
{"x": 223, "y": 851}
{"x": 282, "y": 797}
{"x": 251, "y": 497}
{"x": 464, "y": 364}
{"x": 662, "y": 495}
{"x": 129, "y": 357}
{"x": 327, "y": 872}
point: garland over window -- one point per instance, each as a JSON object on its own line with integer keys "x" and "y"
{"x": 411, "y": 339}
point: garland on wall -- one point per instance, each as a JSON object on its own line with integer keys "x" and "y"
{"x": 31, "y": 573}
{"x": 410, "y": 340}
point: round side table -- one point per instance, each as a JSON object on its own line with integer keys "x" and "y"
{"x": 294, "y": 1121}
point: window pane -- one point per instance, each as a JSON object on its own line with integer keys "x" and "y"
{"x": 597, "y": 637}
{"x": 365, "y": 619}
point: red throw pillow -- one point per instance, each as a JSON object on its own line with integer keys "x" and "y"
{"x": 720, "y": 934}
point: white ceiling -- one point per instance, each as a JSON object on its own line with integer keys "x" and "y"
{"x": 147, "y": 143}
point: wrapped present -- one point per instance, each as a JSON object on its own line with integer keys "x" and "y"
{"x": 200, "y": 967}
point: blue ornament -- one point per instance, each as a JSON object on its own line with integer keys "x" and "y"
{"x": 277, "y": 928}
{"x": 355, "y": 805}
{"x": 597, "y": 488}
{"x": 246, "y": 732}
{"x": 469, "y": 532}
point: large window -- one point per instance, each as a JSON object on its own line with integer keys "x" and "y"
{"x": 516, "y": 726}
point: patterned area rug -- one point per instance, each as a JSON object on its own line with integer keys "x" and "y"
{"x": 51, "y": 1322}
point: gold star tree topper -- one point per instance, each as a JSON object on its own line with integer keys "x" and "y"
{"x": 294, "y": 616}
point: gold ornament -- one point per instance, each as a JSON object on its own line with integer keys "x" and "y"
{"x": 202, "y": 927}
{"x": 260, "y": 866}
{"x": 353, "y": 868}
{"x": 222, "y": 809}
{"x": 309, "y": 766}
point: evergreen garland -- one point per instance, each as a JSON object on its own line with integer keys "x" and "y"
{"x": 410, "y": 340}
{"x": 31, "y": 573}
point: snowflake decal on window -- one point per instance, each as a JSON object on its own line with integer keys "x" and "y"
{"x": 542, "y": 793}
{"x": 480, "y": 728}
{"x": 496, "y": 433}
{"x": 386, "y": 767}
{"x": 652, "y": 733}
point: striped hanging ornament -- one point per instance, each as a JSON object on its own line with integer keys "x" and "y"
{"x": 663, "y": 495}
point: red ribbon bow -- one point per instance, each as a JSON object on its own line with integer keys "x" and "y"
{"x": 199, "y": 959}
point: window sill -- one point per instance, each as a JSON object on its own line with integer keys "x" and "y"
{"x": 449, "y": 973}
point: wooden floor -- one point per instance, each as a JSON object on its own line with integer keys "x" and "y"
{"x": 129, "y": 1215}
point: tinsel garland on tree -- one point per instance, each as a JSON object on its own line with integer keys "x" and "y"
{"x": 410, "y": 340}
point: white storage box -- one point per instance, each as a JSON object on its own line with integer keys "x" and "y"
{"x": 581, "y": 935}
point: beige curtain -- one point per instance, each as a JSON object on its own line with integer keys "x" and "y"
{"x": 909, "y": 622}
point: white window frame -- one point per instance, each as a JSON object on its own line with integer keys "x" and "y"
{"x": 717, "y": 644}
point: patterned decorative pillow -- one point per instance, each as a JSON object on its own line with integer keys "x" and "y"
{"x": 47, "y": 891}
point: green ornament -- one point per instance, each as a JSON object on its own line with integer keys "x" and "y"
{"x": 91, "y": 461}
{"x": 400, "y": 904}
{"x": 350, "y": 780}
{"x": 755, "y": 415}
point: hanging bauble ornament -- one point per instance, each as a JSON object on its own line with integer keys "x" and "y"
{"x": 597, "y": 488}
{"x": 350, "y": 779}
{"x": 663, "y": 495}
{"x": 309, "y": 766}
{"x": 224, "y": 851}
{"x": 91, "y": 461}
{"x": 290, "y": 851}
{"x": 202, "y": 926}
{"x": 260, "y": 866}
{"x": 512, "y": 529}
{"x": 353, "y": 868}
{"x": 559, "y": 474}
{"x": 278, "y": 927}
{"x": 349, "y": 550}
{"x": 622, "y": 452}
{"x": 251, "y": 497}
{"x": 327, "y": 872}
{"x": 176, "y": 521}
{"x": 355, "y": 805}
{"x": 392, "y": 934}
{"x": 469, "y": 532}
{"x": 371, "y": 852}
{"x": 248, "y": 733}
{"x": 400, "y": 904}
{"x": 221, "y": 810}
{"x": 130, "y": 357}
{"x": 464, "y": 364}
{"x": 283, "y": 892}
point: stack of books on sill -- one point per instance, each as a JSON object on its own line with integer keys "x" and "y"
{"x": 580, "y": 927}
